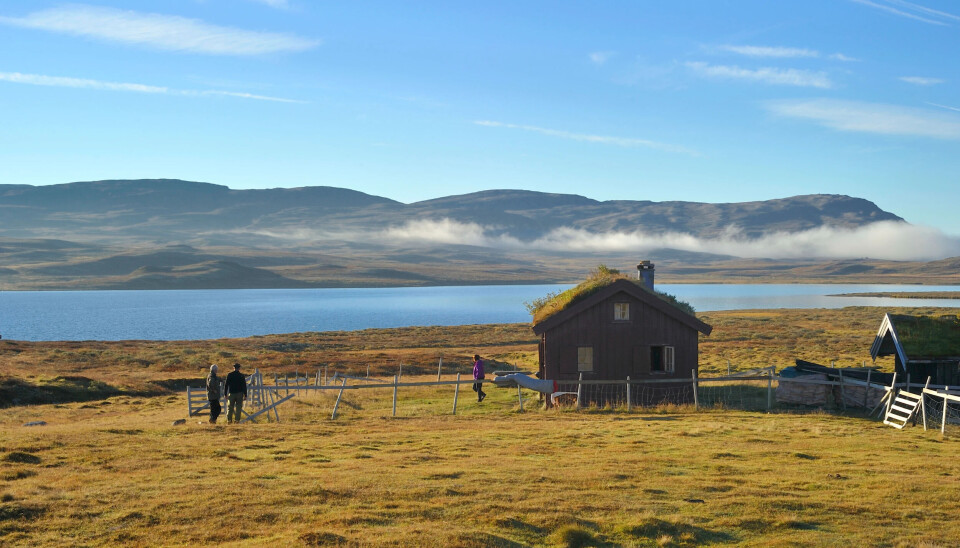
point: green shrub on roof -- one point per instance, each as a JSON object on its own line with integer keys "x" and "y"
{"x": 600, "y": 277}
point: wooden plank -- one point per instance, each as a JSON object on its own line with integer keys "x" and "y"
{"x": 950, "y": 397}
{"x": 340, "y": 395}
{"x": 456, "y": 394}
{"x": 268, "y": 408}
{"x": 907, "y": 402}
{"x": 909, "y": 395}
{"x": 906, "y": 412}
{"x": 897, "y": 426}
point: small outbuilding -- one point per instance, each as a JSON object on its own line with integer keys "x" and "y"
{"x": 922, "y": 346}
{"x": 611, "y": 327}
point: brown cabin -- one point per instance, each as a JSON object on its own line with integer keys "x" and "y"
{"x": 621, "y": 330}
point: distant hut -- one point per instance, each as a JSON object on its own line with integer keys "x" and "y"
{"x": 922, "y": 346}
{"x": 611, "y": 327}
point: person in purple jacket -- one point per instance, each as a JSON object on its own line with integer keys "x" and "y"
{"x": 478, "y": 375}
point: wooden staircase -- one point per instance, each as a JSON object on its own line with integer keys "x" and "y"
{"x": 903, "y": 408}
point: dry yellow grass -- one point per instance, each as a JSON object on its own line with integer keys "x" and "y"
{"x": 117, "y": 473}
{"x": 114, "y": 471}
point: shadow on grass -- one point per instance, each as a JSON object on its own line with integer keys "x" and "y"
{"x": 14, "y": 392}
{"x": 667, "y": 533}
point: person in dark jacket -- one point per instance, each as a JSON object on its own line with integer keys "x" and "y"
{"x": 213, "y": 394}
{"x": 236, "y": 389}
{"x": 478, "y": 375}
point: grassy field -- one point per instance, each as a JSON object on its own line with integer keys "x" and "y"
{"x": 109, "y": 468}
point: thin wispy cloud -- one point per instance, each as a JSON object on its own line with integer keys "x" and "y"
{"x": 163, "y": 32}
{"x": 86, "y": 83}
{"x": 842, "y": 57}
{"x": 779, "y": 52}
{"x": 946, "y": 107}
{"x": 626, "y": 142}
{"x": 926, "y": 10}
{"x": 870, "y": 117}
{"x": 889, "y": 240}
{"x": 769, "y": 51}
{"x": 921, "y": 81}
{"x": 910, "y": 11}
{"x": 766, "y": 75}
{"x": 601, "y": 57}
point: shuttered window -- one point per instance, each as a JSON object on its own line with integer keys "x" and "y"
{"x": 662, "y": 359}
{"x": 584, "y": 358}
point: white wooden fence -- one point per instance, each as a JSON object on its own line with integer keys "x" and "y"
{"x": 290, "y": 386}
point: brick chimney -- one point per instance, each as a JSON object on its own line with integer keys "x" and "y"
{"x": 645, "y": 274}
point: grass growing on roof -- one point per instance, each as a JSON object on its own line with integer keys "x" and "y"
{"x": 600, "y": 277}
{"x": 929, "y": 336}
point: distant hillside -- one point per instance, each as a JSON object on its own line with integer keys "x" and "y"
{"x": 165, "y": 210}
{"x": 171, "y": 234}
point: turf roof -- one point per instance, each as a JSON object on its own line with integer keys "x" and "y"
{"x": 543, "y": 308}
{"x": 928, "y": 336}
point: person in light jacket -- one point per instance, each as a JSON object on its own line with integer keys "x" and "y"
{"x": 478, "y": 375}
{"x": 213, "y": 393}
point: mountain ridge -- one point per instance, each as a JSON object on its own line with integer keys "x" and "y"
{"x": 174, "y": 234}
{"x": 163, "y": 210}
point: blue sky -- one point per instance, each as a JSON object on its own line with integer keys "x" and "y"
{"x": 716, "y": 101}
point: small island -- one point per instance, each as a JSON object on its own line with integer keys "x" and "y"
{"x": 905, "y": 294}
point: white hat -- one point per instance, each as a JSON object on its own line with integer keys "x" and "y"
{"x": 213, "y": 368}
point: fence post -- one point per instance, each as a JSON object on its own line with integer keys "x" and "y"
{"x": 520, "y": 398}
{"x": 439, "y": 366}
{"x": 456, "y": 394}
{"x": 908, "y": 382}
{"x": 892, "y": 393}
{"x": 189, "y": 403}
{"x": 395, "y": 380}
{"x": 696, "y": 399}
{"x": 728, "y": 368}
{"x": 843, "y": 396}
{"x": 400, "y": 372}
{"x": 629, "y": 399}
{"x": 324, "y": 375}
{"x": 340, "y": 395}
{"x": 770, "y": 390}
{"x": 866, "y": 391}
{"x": 579, "y": 386}
{"x": 943, "y": 420}
{"x": 368, "y": 370}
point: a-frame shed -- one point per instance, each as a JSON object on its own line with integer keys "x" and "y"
{"x": 922, "y": 346}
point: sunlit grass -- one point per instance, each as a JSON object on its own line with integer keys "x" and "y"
{"x": 119, "y": 473}
{"x": 110, "y": 469}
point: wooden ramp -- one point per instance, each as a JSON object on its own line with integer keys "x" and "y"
{"x": 903, "y": 408}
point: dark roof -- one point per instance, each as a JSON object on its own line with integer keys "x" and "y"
{"x": 630, "y": 288}
{"x": 917, "y": 337}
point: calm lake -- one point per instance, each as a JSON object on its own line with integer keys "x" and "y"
{"x": 211, "y": 314}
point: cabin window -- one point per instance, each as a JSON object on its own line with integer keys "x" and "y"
{"x": 621, "y": 312}
{"x": 661, "y": 359}
{"x": 585, "y": 358}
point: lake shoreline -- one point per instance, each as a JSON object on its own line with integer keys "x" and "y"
{"x": 167, "y": 315}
